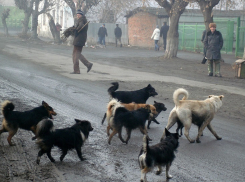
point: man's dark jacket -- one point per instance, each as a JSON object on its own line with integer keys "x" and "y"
{"x": 102, "y": 32}
{"x": 213, "y": 43}
{"x": 164, "y": 31}
{"x": 80, "y": 37}
{"x": 118, "y": 32}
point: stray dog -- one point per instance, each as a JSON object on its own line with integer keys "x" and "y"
{"x": 128, "y": 119}
{"x": 66, "y": 139}
{"x": 160, "y": 155}
{"x": 27, "y": 120}
{"x": 137, "y": 96}
{"x": 198, "y": 112}
{"x": 159, "y": 108}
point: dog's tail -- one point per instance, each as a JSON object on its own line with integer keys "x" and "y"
{"x": 6, "y": 108}
{"x": 145, "y": 149}
{"x": 113, "y": 88}
{"x": 179, "y": 92}
{"x": 44, "y": 128}
{"x": 111, "y": 108}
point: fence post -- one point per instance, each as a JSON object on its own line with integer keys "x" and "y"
{"x": 237, "y": 36}
{"x": 183, "y": 32}
{"x": 195, "y": 42}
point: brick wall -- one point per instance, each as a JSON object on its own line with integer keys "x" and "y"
{"x": 140, "y": 29}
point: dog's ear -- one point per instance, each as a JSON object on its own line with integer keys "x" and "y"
{"x": 210, "y": 96}
{"x": 155, "y": 102}
{"x": 221, "y": 97}
{"x": 149, "y": 86}
{"x": 77, "y": 120}
{"x": 44, "y": 104}
{"x": 167, "y": 133}
{"x": 148, "y": 107}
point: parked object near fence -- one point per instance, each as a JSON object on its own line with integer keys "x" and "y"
{"x": 240, "y": 68}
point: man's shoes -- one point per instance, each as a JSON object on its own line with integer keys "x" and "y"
{"x": 74, "y": 73}
{"x": 210, "y": 74}
{"x": 89, "y": 67}
{"x": 218, "y": 75}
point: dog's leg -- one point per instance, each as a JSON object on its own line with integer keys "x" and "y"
{"x": 79, "y": 153}
{"x": 129, "y": 134}
{"x": 202, "y": 127}
{"x": 187, "y": 129}
{"x": 108, "y": 130}
{"x": 149, "y": 122}
{"x": 40, "y": 153}
{"x": 159, "y": 171}
{"x": 168, "y": 176}
{"x": 11, "y": 134}
{"x": 49, "y": 156}
{"x": 143, "y": 174}
{"x": 199, "y": 129}
{"x": 64, "y": 152}
{"x": 144, "y": 132}
{"x": 33, "y": 129}
{"x": 171, "y": 121}
{"x": 154, "y": 119}
{"x": 213, "y": 132}
{"x": 103, "y": 120}
{"x": 120, "y": 135}
{"x": 111, "y": 135}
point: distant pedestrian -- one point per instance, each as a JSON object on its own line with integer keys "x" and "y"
{"x": 58, "y": 30}
{"x": 156, "y": 37}
{"x": 5, "y": 15}
{"x": 102, "y": 33}
{"x": 80, "y": 37}
{"x": 163, "y": 34}
{"x": 118, "y": 34}
{"x": 213, "y": 44}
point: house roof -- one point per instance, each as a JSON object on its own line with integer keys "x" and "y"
{"x": 160, "y": 12}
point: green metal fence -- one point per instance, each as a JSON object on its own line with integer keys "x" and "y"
{"x": 240, "y": 39}
{"x": 190, "y": 36}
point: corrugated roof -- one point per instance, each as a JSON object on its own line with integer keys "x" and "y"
{"x": 155, "y": 11}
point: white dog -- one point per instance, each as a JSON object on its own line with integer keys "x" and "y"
{"x": 198, "y": 112}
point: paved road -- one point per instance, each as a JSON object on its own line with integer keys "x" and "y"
{"x": 27, "y": 82}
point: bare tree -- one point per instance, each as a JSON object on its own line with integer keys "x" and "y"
{"x": 5, "y": 15}
{"x": 27, "y": 7}
{"x": 174, "y": 8}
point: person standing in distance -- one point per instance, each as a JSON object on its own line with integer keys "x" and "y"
{"x": 79, "y": 41}
{"x": 118, "y": 34}
{"x": 163, "y": 34}
{"x": 213, "y": 43}
{"x": 156, "y": 37}
{"x": 102, "y": 33}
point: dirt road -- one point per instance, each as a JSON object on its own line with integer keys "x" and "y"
{"x": 31, "y": 72}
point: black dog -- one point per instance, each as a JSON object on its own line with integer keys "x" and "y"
{"x": 159, "y": 108}
{"x": 66, "y": 139}
{"x": 27, "y": 120}
{"x": 130, "y": 120}
{"x": 161, "y": 154}
{"x": 126, "y": 97}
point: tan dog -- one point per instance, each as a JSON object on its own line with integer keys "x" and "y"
{"x": 111, "y": 107}
{"x": 198, "y": 112}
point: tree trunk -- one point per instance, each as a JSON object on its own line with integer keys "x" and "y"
{"x": 172, "y": 37}
{"x": 25, "y": 23}
{"x": 35, "y": 20}
{"x": 5, "y": 27}
{"x": 53, "y": 29}
{"x": 207, "y": 8}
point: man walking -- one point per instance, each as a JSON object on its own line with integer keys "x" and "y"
{"x": 163, "y": 34}
{"x": 79, "y": 41}
{"x": 213, "y": 43}
{"x": 102, "y": 33}
{"x": 156, "y": 36}
{"x": 118, "y": 34}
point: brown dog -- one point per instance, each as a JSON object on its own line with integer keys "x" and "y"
{"x": 130, "y": 107}
{"x": 198, "y": 112}
{"x": 27, "y": 120}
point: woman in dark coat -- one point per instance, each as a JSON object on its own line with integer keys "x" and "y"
{"x": 79, "y": 41}
{"x": 213, "y": 43}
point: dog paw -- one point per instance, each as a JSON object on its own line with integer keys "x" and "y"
{"x": 219, "y": 138}
{"x": 198, "y": 141}
{"x": 83, "y": 159}
{"x": 169, "y": 176}
{"x": 12, "y": 144}
{"x": 158, "y": 172}
{"x": 34, "y": 138}
{"x": 38, "y": 161}
{"x": 192, "y": 141}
